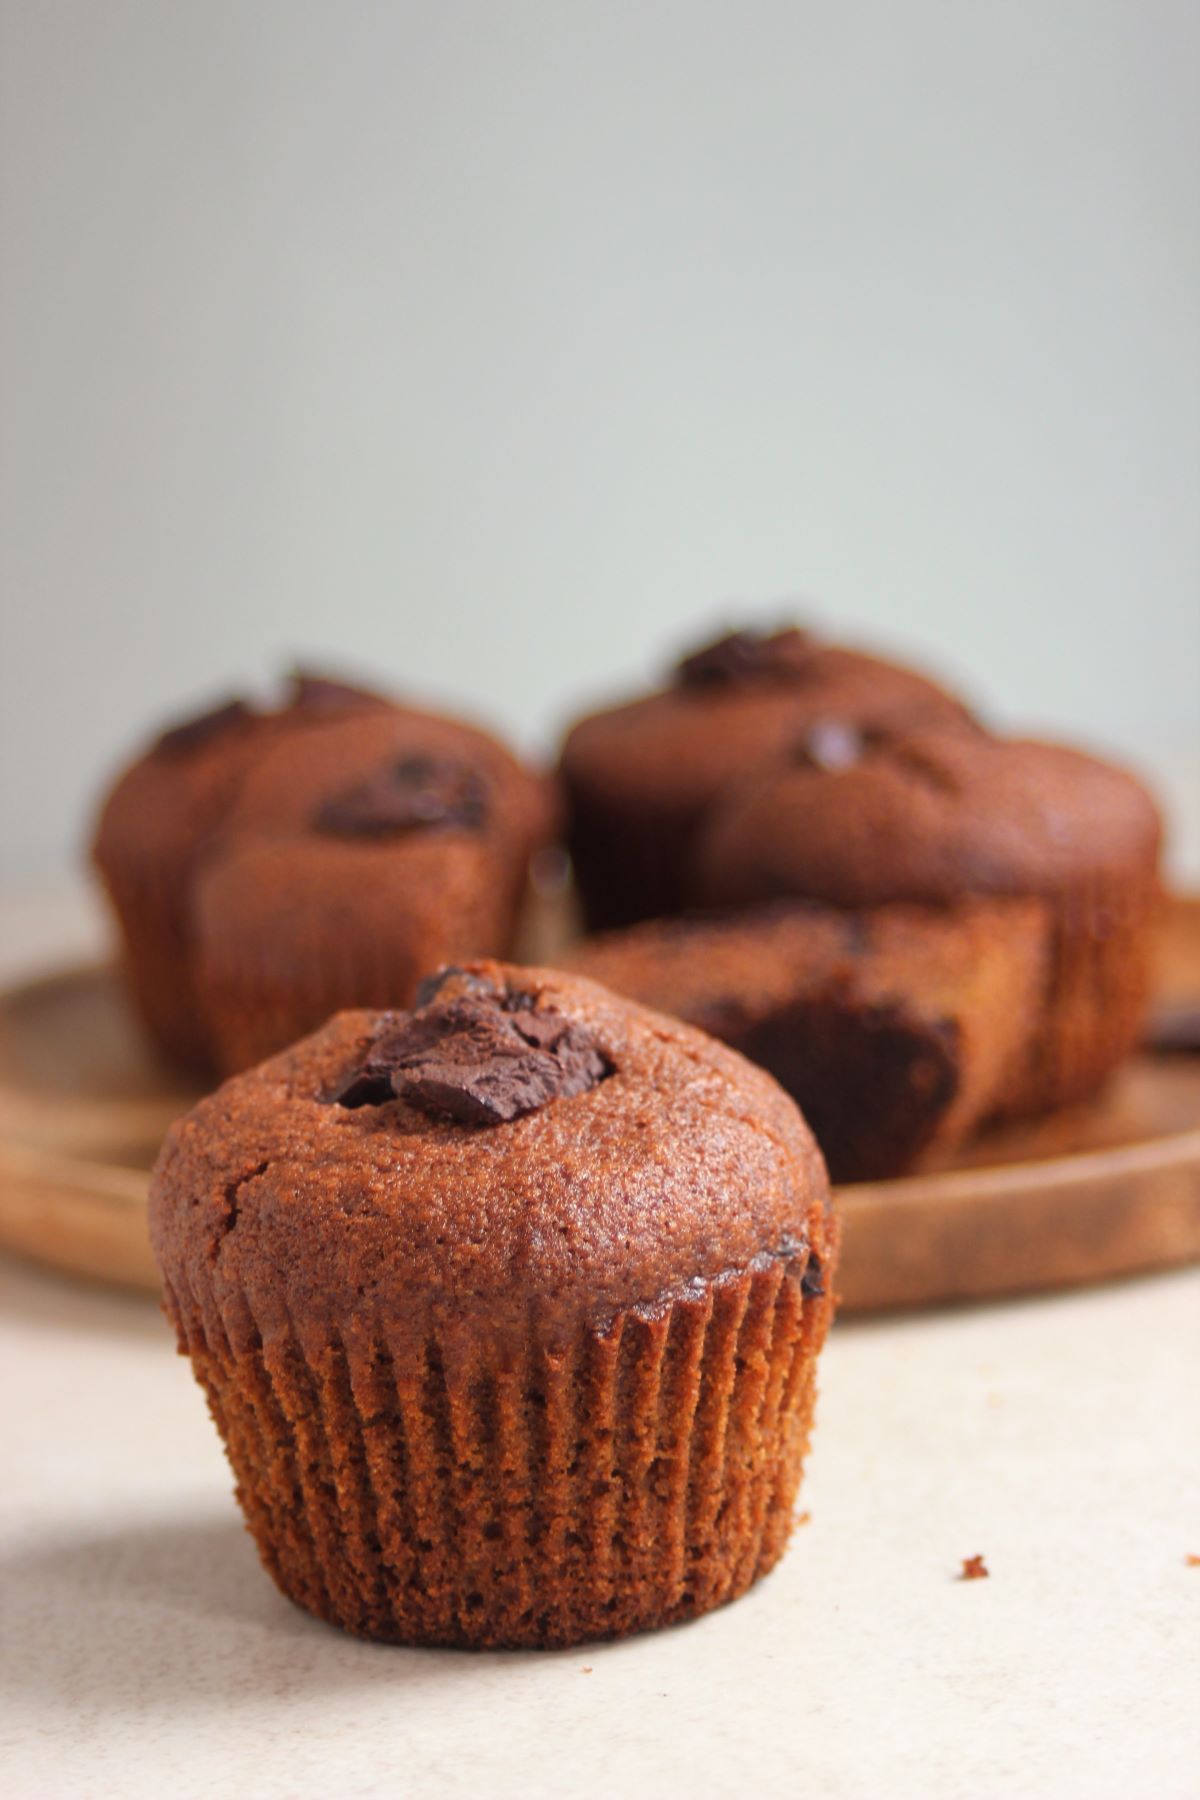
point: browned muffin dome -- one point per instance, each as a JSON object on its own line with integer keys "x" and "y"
{"x": 348, "y": 865}
{"x": 640, "y": 777}
{"x": 156, "y": 820}
{"x": 507, "y": 1309}
{"x": 938, "y": 814}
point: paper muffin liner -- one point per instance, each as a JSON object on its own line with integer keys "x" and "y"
{"x": 156, "y": 961}
{"x": 1094, "y": 1006}
{"x": 633, "y": 1476}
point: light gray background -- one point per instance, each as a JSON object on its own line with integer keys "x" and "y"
{"x": 498, "y": 344}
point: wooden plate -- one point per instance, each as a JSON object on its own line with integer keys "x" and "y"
{"x": 1080, "y": 1197}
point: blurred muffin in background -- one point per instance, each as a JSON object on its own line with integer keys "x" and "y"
{"x": 154, "y": 825}
{"x": 350, "y": 864}
{"x": 290, "y": 925}
{"x": 639, "y": 778}
{"x": 857, "y": 816}
{"x": 894, "y": 1028}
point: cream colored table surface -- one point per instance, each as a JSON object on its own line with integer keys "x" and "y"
{"x": 144, "y": 1653}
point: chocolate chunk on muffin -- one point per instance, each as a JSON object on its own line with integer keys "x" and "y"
{"x": 351, "y": 863}
{"x": 895, "y": 1029}
{"x": 940, "y": 815}
{"x": 153, "y": 826}
{"x": 508, "y": 1311}
{"x": 639, "y": 778}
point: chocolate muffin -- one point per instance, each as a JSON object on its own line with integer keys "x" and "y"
{"x": 348, "y": 865}
{"x": 507, "y": 1309}
{"x": 639, "y": 778}
{"x": 895, "y": 1029}
{"x": 943, "y": 814}
{"x": 156, "y": 820}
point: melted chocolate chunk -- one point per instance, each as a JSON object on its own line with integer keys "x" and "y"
{"x": 464, "y": 981}
{"x": 420, "y": 793}
{"x": 812, "y": 1282}
{"x": 479, "y": 1056}
{"x": 743, "y": 656}
{"x": 313, "y": 693}
{"x": 192, "y": 733}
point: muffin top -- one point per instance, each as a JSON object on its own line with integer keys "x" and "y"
{"x": 732, "y": 704}
{"x": 399, "y": 834}
{"x": 170, "y": 798}
{"x": 857, "y": 816}
{"x": 382, "y": 776}
{"x": 522, "y": 1144}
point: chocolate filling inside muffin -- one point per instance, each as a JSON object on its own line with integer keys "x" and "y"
{"x": 830, "y": 1053}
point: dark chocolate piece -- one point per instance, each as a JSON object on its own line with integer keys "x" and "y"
{"x": 742, "y": 656}
{"x": 479, "y": 1058}
{"x": 464, "y": 981}
{"x": 190, "y": 734}
{"x": 812, "y": 1282}
{"x": 314, "y": 693}
{"x": 421, "y": 793}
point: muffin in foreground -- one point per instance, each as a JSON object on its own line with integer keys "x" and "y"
{"x": 508, "y": 1311}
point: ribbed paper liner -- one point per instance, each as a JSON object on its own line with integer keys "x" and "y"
{"x": 156, "y": 964}
{"x": 1095, "y": 1003}
{"x": 630, "y": 1478}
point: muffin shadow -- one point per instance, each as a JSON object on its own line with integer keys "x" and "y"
{"x": 170, "y": 1616}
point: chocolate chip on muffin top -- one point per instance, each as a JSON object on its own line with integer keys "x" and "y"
{"x": 475, "y": 1052}
{"x": 191, "y": 734}
{"x": 415, "y": 792}
{"x": 742, "y": 656}
{"x": 306, "y": 693}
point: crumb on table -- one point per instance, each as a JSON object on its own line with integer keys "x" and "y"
{"x": 974, "y": 1569}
